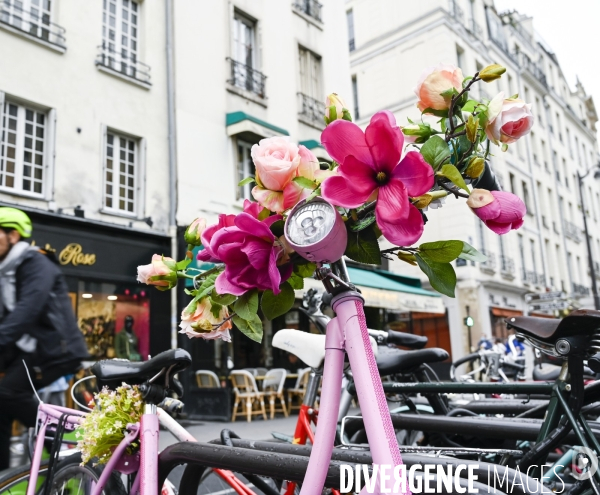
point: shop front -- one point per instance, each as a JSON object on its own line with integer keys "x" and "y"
{"x": 118, "y": 317}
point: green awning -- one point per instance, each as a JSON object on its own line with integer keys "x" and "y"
{"x": 196, "y": 267}
{"x": 242, "y": 122}
{"x": 311, "y": 144}
{"x": 377, "y": 280}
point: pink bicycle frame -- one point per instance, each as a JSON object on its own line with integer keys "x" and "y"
{"x": 348, "y": 332}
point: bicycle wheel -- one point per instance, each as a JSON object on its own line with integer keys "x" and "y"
{"x": 473, "y": 368}
{"x": 73, "y": 478}
{"x": 14, "y": 481}
{"x": 195, "y": 481}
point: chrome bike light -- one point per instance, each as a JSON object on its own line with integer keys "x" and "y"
{"x": 316, "y": 231}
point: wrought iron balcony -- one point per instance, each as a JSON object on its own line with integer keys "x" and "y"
{"x": 475, "y": 29}
{"x": 311, "y": 8}
{"x": 488, "y": 265}
{"x": 572, "y": 231}
{"x": 245, "y": 77}
{"x": 580, "y": 290}
{"x": 456, "y": 11}
{"x": 532, "y": 68}
{"x": 126, "y": 65}
{"x": 507, "y": 265}
{"x": 530, "y": 277}
{"x": 540, "y": 279}
{"x": 311, "y": 110}
{"x": 33, "y": 22}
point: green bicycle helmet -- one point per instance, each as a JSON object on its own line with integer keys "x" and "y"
{"x": 12, "y": 218}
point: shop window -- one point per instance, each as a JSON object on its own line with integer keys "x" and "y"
{"x": 115, "y": 320}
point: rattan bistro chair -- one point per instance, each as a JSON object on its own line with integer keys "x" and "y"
{"x": 246, "y": 392}
{"x": 299, "y": 389}
{"x": 207, "y": 379}
{"x": 273, "y": 389}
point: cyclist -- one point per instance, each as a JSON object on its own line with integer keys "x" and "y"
{"x": 37, "y": 325}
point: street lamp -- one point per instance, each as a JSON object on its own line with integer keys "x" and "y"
{"x": 580, "y": 178}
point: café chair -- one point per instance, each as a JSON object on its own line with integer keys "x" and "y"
{"x": 246, "y": 392}
{"x": 299, "y": 389}
{"x": 207, "y": 379}
{"x": 273, "y": 389}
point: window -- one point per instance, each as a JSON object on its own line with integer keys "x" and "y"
{"x": 565, "y": 169}
{"x": 522, "y": 256}
{"x": 245, "y": 167}
{"x": 311, "y": 98}
{"x": 33, "y": 17}
{"x": 121, "y": 173}
{"x": 120, "y": 35}
{"x": 355, "y": 97}
{"x": 526, "y": 197}
{"x": 460, "y": 58}
{"x": 510, "y": 86}
{"x": 538, "y": 109}
{"x": 350, "y": 23}
{"x": 23, "y": 153}
{"x": 244, "y": 57}
{"x": 533, "y": 257}
{"x": 569, "y": 142}
{"x": 559, "y": 127}
{"x": 511, "y": 180}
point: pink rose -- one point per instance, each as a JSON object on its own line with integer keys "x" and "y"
{"x": 433, "y": 82}
{"x": 501, "y": 211}
{"x": 276, "y": 161}
{"x": 508, "y": 120}
{"x": 197, "y": 320}
{"x": 161, "y": 273}
{"x": 193, "y": 234}
{"x": 307, "y": 166}
{"x": 250, "y": 253}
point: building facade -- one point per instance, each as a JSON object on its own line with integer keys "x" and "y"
{"x": 83, "y": 149}
{"x": 389, "y": 48}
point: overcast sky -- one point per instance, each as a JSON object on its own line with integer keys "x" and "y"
{"x": 572, "y": 29}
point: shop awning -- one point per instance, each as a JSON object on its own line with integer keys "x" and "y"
{"x": 382, "y": 289}
{"x": 242, "y": 122}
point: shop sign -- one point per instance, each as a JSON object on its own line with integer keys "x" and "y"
{"x": 72, "y": 254}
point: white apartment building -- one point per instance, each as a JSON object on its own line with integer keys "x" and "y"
{"x": 390, "y": 44}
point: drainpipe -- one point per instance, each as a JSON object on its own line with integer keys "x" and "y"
{"x": 172, "y": 159}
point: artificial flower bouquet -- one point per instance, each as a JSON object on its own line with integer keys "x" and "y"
{"x": 381, "y": 189}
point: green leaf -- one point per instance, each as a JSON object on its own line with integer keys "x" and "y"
{"x": 222, "y": 299}
{"x": 277, "y": 228}
{"x": 441, "y": 251}
{"x": 215, "y": 309}
{"x": 313, "y": 194}
{"x": 469, "y": 107}
{"x": 471, "y": 254}
{"x": 183, "y": 264}
{"x": 305, "y": 270}
{"x": 207, "y": 286}
{"x": 442, "y": 276}
{"x": 245, "y": 181}
{"x": 296, "y": 281}
{"x": 451, "y": 172}
{"x": 449, "y": 93}
{"x": 437, "y": 113}
{"x": 169, "y": 263}
{"x": 304, "y": 182}
{"x": 363, "y": 223}
{"x": 251, "y": 328}
{"x": 435, "y": 151}
{"x": 363, "y": 247}
{"x": 264, "y": 213}
{"x": 274, "y": 305}
{"x": 247, "y": 305}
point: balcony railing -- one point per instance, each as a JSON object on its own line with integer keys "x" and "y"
{"x": 533, "y": 68}
{"x": 507, "y": 265}
{"x": 456, "y": 11}
{"x": 540, "y": 279}
{"x": 572, "y": 231}
{"x": 580, "y": 290}
{"x": 475, "y": 29}
{"x": 311, "y": 8}
{"x": 490, "y": 263}
{"x": 311, "y": 110}
{"x": 245, "y": 77}
{"x": 126, "y": 65}
{"x": 33, "y": 22}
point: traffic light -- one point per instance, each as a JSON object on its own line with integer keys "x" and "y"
{"x": 469, "y": 321}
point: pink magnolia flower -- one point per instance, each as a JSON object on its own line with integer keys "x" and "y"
{"x": 370, "y": 164}
{"x": 508, "y": 120}
{"x": 197, "y": 320}
{"x": 433, "y": 82}
{"x": 501, "y": 211}
{"x": 161, "y": 272}
{"x": 250, "y": 253}
{"x": 283, "y": 193}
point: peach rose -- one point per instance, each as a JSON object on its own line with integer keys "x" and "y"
{"x": 197, "y": 320}
{"x": 508, "y": 119}
{"x": 194, "y": 231}
{"x": 433, "y": 82}
{"x": 161, "y": 273}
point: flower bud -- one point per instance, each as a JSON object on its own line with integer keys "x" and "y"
{"x": 162, "y": 273}
{"x": 416, "y": 133}
{"x": 193, "y": 233}
{"x": 471, "y": 127}
{"x": 335, "y": 109}
{"x": 491, "y": 73}
{"x": 475, "y": 167}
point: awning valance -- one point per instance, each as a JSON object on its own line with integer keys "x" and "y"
{"x": 381, "y": 290}
{"x": 242, "y": 122}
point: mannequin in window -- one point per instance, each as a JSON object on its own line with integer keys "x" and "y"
{"x": 126, "y": 342}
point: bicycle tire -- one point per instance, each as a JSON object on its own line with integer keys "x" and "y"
{"x": 69, "y": 470}
{"x": 14, "y": 481}
{"x": 465, "y": 359}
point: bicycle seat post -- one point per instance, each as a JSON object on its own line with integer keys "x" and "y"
{"x": 149, "y": 451}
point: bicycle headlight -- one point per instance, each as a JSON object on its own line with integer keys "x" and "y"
{"x": 316, "y": 231}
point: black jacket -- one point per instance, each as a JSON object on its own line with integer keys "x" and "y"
{"x": 43, "y": 310}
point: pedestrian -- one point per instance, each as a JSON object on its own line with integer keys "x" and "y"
{"x": 37, "y": 325}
